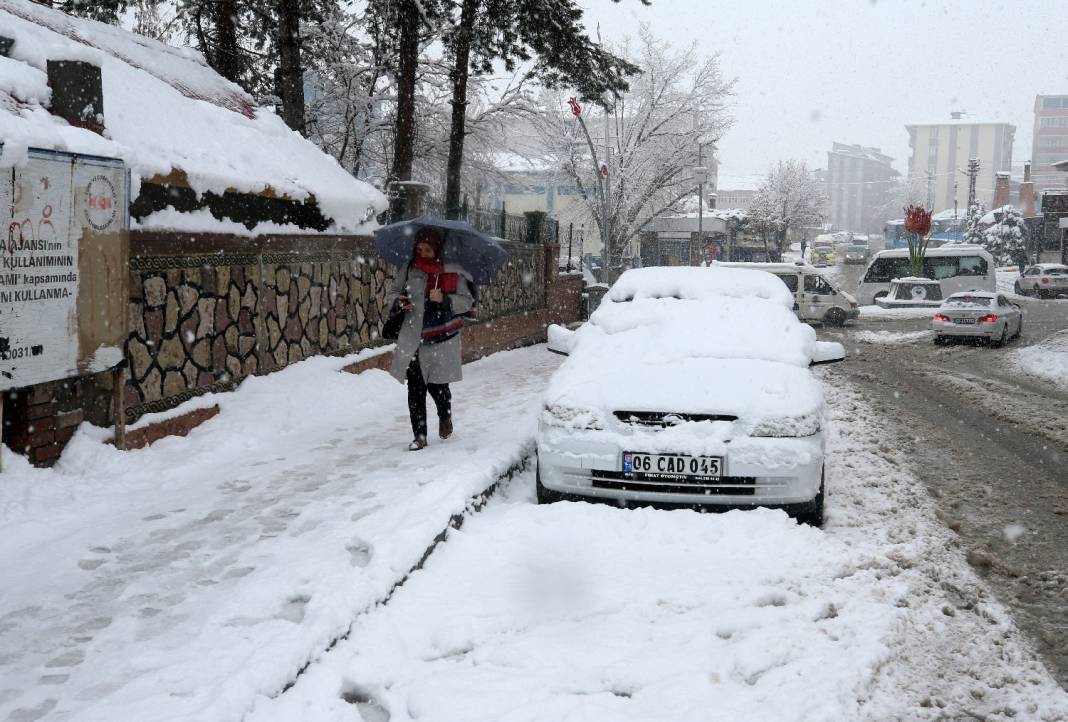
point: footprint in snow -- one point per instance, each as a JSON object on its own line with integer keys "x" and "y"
{"x": 293, "y": 610}
{"x": 359, "y": 554}
{"x": 370, "y": 709}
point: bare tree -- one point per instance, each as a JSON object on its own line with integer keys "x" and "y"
{"x": 789, "y": 197}
{"x": 641, "y": 164}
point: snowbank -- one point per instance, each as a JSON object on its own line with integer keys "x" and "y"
{"x": 578, "y": 611}
{"x": 1048, "y": 360}
{"x": 878, "y": 313}
{"x": 165, "y": 110}
{"x": 182, "y": 580}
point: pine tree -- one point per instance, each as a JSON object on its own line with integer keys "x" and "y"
{"x": 1006, "y": 240}
{"x": 973, "y": 231}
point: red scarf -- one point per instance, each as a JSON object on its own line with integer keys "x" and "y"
{"x": 436, "y": 277}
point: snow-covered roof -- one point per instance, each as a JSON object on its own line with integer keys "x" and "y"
{"x": 166, "y": 113}
{"x": 960, "y": 121}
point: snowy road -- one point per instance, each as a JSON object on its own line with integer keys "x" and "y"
{"x": 991, "y": 442}
{"x": 588, "y": 612}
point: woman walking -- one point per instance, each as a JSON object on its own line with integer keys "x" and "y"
{"x": 434, "y": 296}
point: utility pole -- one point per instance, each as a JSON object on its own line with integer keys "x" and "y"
{"x": 973, "y": 174}
{"x": 930, "y": 190}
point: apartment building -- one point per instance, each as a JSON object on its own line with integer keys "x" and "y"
{"x": 859, "y": 182}
{"x": 940, "y": 152}
{"x": 1050, "y": 141}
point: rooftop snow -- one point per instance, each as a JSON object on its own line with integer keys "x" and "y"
{"x": 165, "y": 110}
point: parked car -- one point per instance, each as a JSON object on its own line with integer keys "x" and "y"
{"x": 1045, "y": 280}
{"x": 957, "y": 267}
{"x": 688, "y": 386}
{"x": 977, "y": 314}
{"x": 816, "y": 298}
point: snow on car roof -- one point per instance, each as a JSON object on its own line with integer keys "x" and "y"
{"x": 949, "y": 249}
{"x": 690, "y": 283}
{"x": 165, "y": 110}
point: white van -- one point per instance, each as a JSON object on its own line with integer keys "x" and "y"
{"x": 958, "y": 266}
{"x": 815, "y": 298}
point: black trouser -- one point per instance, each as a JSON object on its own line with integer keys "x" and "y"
{"x": 417, "y": 390}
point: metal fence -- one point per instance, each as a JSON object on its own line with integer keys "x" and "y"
{"x": 498, "y": 223}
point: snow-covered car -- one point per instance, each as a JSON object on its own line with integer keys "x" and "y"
{"x": 977, "y": 314}
{"x": 688, "y": 386}
{"x": 1045, "y": 280}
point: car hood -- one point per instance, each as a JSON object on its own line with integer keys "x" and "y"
{"x": 752, "y": 390}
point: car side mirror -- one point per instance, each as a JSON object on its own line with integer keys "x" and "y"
{"x": 560, "y": 339}
{"x": 828, "y": 352}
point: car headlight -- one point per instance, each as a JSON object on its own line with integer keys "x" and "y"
{"x": 787, "y": 426}
{"x": 569, "y": 417}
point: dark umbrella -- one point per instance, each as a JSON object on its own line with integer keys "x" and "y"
{"x": 478, "y": 254}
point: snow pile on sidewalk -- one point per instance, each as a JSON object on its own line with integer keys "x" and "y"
{"x": 878, "y": 313}
{"x": 589, "y": 612}
{"x": 180, "y": 581}
{"x": 1007, "y": 280}
{"x": 1048, "y": 360}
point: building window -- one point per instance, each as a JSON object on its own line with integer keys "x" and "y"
{"x": 1054, "y": 103}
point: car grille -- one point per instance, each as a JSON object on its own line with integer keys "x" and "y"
{"x": 662, "y": 419}
{"x": 625, "y": 481}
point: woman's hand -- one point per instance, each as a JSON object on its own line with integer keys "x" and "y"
{"x": 436, "y": 295}
{"x": 405, "y": 303}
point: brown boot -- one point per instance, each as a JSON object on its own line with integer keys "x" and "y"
{"x": 445, "y": 427}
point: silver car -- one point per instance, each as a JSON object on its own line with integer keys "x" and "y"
{"x": 688, "y": 386}
{"x": 1045, "y": 280}
{"x": 977, "y": 314}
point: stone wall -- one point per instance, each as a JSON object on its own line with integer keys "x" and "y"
{"x": 208, "y": 310}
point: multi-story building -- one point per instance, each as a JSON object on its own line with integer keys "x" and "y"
{"x": 1050, "y": 141}
{"x": 940, "y": 155}
{"x": 860, "y": 182}
{"x": 736, "y": 191}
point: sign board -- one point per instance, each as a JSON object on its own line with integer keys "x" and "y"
{"x": 52, "y": 211}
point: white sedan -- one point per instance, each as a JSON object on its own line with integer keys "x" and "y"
{"x": 688, "y": 386}
{"x": 977, "y": 314}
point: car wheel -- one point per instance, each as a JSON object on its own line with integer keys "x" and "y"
{"x": 835, "y": 317}
{"x": 1004, "y": 337}
{"x": 1018, "y": 289}
{"x": 545, "y": 496}
{"x": 813, "y": 513}
{"x": 940, "y": 341}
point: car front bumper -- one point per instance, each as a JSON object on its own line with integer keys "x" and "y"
{"x": 757, "y": 471}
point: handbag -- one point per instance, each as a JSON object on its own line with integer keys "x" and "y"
{"x": 391, "y": 328}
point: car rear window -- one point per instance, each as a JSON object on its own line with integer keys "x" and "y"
{"x": 968, "y": 301}
{"x": 1058, "y": 271}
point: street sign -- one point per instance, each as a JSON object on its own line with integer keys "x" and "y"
{"x": 700, "y": 174}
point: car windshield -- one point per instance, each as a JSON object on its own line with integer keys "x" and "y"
{"x": 968, "y": 301}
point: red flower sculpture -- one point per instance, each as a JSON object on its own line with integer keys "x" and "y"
{"x": 918, "y": 220}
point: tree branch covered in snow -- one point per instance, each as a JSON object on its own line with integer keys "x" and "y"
{"x": 789, "y": 197}
{"x": 653, "y": 131}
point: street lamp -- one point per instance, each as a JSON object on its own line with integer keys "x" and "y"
{"x": 700, "y": 174}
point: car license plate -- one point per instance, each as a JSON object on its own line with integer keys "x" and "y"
{"x": 964, "y": 320}
{"x": 709, "y": 467}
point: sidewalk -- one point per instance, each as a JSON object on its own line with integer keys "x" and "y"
{"x": 180, "y": 581}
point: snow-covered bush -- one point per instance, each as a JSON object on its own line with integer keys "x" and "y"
{"x": 1006, "y": 240}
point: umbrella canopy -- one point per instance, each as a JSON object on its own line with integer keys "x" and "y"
{"x": 478, "y": 254}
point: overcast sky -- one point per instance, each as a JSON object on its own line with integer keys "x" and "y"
{"x": 856, "y": 71}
